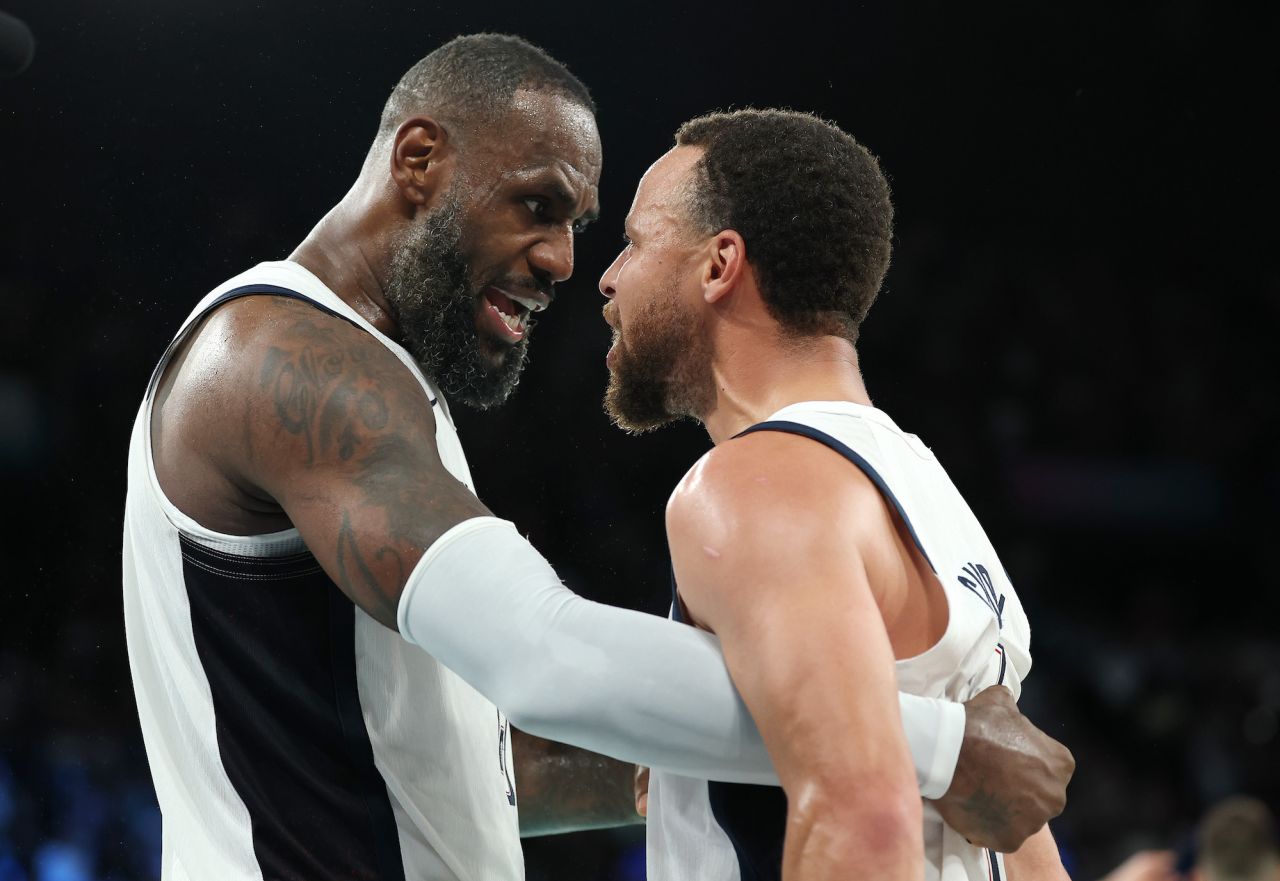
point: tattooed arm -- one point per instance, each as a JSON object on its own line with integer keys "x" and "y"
{"x": 565, "y": 789}
{"x": 275, "y": 414}
{"x": 342, "y": 437}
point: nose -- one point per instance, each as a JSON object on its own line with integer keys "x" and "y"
{"x": 552, "y": 257}
{"x": 609, "y": 281}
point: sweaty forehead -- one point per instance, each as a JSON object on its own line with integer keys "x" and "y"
{"x": 547, "y": 131}
{"x": 663, "y": 192}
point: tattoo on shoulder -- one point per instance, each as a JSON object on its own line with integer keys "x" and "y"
{"x": 346, "y": 402}
{"x": 323, "y": 392}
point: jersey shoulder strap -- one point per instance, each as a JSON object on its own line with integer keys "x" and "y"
{"x": 839, "y": 446}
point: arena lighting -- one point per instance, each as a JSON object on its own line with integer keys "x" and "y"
{"x": 17, "y": 45}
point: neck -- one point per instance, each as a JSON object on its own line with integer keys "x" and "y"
{"x": 349, "y": 250}
{"x": 752, "y": 381}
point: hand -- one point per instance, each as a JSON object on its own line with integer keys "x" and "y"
{"x": 1011, "y": 777}
{"x": 642, "y": 790}
{"x": 1146, "y": 865}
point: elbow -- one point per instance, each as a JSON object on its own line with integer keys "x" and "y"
{"x": 874, "y": 826}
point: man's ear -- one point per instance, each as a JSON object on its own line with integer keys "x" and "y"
{"x": 726, "y": 265}
{"x": 420, "y": 155}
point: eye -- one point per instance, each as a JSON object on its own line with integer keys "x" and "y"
{"x": 580, "y": 226}
{"x": 626, "y": 240}
{"x": 537, "y": 206}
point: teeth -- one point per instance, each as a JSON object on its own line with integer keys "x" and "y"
{"x": 510, "y": 321}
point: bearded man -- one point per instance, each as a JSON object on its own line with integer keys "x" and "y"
{"x": 301, "y": 525}
{"x": 824, "y": 546}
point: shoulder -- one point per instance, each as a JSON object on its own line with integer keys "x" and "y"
{"x": 288, "y": 353}
{"x": 766, "y": 511}
{"x": 770, "y": 487}
{"x": 265, "y": 379}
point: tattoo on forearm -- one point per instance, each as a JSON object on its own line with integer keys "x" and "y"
{"x": 562, "y": 788}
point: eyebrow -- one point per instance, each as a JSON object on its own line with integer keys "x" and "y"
{"x": 560, "y": 193}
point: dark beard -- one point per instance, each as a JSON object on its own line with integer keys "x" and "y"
{"x": 432, "y": 299}
{"x": 663, "y": 371}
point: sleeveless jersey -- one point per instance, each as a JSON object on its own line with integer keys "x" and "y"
{"x": 289, "y": 734}
{"x": 712, "y": 831}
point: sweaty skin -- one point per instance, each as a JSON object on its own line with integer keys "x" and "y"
{"x": 273, "y": 414}
{"x": 758, "y": 512}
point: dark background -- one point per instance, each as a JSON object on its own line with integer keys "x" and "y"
{"x": 1078, "y": 320}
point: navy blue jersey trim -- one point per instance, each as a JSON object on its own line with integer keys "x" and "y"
{"x": 843, "y": 449}
{"x": 276, "y": 641}
{"x": 995, "y": 866}
{"x": 372, "y": 788}
{"x": 754, "y": 819}
{"x": 249, "y": 290}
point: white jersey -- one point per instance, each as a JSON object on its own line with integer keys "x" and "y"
{"x": 701, "y": 831}
{"x": 290, "y": 735}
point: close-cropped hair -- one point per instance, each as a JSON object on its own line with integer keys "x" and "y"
{"x": 471, "y": 80}
{"x": 809, "y": 201}
{"x": 1237, "y": 841}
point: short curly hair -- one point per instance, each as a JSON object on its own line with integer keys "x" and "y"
{"x": 810, "y": 203}
{"x": 473, "y": 78}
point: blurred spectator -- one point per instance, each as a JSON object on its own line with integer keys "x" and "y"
{"x": 1147, "y": 865}
{"x": 1237, "y": 842}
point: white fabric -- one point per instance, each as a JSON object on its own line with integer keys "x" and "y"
{"x": 625, "y": 684}
{"x": 436, "y": 742}
{"x": 684, "y": 840}
{"x": 618, "y": 682}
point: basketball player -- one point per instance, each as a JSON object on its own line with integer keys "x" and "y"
{"x": 301, "y": 524}
{"x": 824, "y": 546}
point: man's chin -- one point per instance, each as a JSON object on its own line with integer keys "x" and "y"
{"x": 490, "y": 379}
{"x": 636, "y": 410}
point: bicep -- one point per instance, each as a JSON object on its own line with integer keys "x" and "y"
{"x": 342, "y": 436}
{"x": 806, "y": 647}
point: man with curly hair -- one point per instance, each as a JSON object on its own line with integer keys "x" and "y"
{"x": 822, "y": 544}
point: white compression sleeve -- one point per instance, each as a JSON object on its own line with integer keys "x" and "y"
{"x": 634, "y": 686}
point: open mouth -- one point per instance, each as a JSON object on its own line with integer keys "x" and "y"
{"x": 615, "y": 350}
{"x": 611, "y": 319}
{"x": 507, "y": 313}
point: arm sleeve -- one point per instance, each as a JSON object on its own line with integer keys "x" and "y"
{"x": 639, "y": 688}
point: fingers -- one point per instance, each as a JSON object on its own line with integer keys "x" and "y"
{"x": 642, "y": 790}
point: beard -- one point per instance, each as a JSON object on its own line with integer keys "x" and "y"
{"x": 662, "y": 371}
{"x": 433, "y": 300}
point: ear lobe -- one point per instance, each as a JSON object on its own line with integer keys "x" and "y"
{"x": 420, "y": 146}
{"x": 728, "y": 260}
